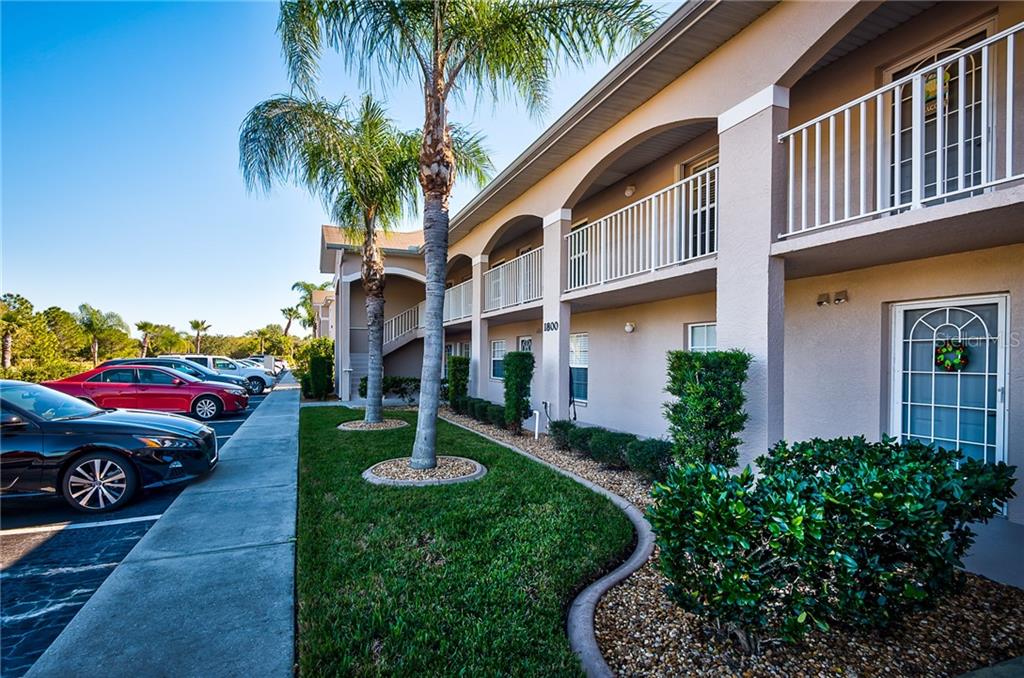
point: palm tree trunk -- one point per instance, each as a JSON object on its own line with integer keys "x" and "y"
{"x": 287, "y": 326}
{"x": 145, "y": 345}
{"x": 197, "y": 341}
{"x": 8, "y": 349}
{"x": 437, "y": 164}
{"x": 373, "y": 284}
{"x": 95, "y": 351}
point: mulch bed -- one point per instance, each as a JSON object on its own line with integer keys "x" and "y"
{"x": 385, "y": 425}
{"x": 447, "y": 468}
{"x": 641, "y": 632}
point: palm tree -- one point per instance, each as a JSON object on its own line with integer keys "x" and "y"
{"x": 98, "y": 325}
{"x": 290, "y": 313}
{"x": 305, "y": 290}
{"x": 496, "y": 46}
{"x": 15, "y": 313}
{"x": 147, "y": 329}
{"x": 199, "y": 326}
{"x": 364, "y": 170}
{"x": 262, "y": 336}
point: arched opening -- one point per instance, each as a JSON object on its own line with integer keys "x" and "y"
{"x": 513, "y": 275}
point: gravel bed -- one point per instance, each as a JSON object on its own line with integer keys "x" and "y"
{"x": 641, "y": 632}
{"x": 626, "y": 484}
{"x": 385, "y": 425}
{"x": 447, "y": 468}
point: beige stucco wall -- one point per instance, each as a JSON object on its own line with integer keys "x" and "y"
{"x": 627, "y": 371}
{"x": 494, "y": 389}
{"x": 406, "y": 361}
{"x": 838, "y": 358}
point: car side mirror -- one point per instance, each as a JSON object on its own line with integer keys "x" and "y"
{"x": 10, "y": 421}
{"x": 179, "y": 382}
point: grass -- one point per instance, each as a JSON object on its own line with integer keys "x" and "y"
{"x": 461, "y": 580}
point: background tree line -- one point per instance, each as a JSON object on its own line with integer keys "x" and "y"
{"x": 54, "y": 342}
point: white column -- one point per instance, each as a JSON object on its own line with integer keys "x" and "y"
{"x": 345, "y": 337}
{"x": 479, "y": 344}
{"x": 751, "y": 283}
{"x": 337, "y": 332}
{"x": 557, "y": 316}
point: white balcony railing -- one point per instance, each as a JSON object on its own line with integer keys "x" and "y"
{"x": 405, "y": 322}
{"x": 458, "y": 301}
{"x": 676, "y": 224}
{"x": 515, "y": 282}
{"x": 877, "y": 154}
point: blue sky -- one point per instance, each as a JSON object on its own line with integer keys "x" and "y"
{"x": 120, "y": 182}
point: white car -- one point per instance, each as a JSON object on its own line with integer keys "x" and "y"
{"x": 257, "y": 378}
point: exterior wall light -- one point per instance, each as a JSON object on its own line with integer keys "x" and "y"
{"x": 823, "y": 300}
{"x": 841, "y": 297}
{"x": 630, "y": 328}
{"x": 630, "y": 190}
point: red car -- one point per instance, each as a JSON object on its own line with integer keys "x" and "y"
{"x": 153, "y": 388}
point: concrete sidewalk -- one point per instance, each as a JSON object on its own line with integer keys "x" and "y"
{"x": 209, "y": 591}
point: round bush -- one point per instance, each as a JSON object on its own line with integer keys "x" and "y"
{"x": 579, "y": 438}
{"x": 650, "y": 458}
{"x": 609, "y": 447}
{"x": 559, "y": 431}
{"x": 496, "y": 415}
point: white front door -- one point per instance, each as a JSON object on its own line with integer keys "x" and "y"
{"x": 957, "y": 409}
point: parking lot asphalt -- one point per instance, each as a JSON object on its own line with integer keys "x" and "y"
{"x": 52, "y": 559}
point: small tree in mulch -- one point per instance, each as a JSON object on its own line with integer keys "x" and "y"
{"x": 518, "y": 375}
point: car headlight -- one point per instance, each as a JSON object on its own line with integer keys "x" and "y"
{"x": 167, "y": 442}
{"x": 236, "y": 392}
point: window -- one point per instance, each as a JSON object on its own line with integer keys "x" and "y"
{"x": 524, "y": 250}
{"x": 122, "y": 376}
{"x": 579, "y": 365}
{"x": 498, "y": 359}
{"x": 449, "y": 351}
{"x": 199, "y": 359}
{"x": 155, "y": 377}
{"x": 524, "y": 344}
{"x": 702, "y": 337}
{"x": 221, "y": 364}
{"x": 186, "y": 368}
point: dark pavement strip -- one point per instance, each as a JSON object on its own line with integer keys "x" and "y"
{"x": 47, "y": 572}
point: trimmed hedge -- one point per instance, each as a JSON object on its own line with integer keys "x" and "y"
{"x": 841, "y": 531}
{"x": 458, "y": 377}
{"x": 559, "y": 431}
{"x": 579, "y": 438}
{"x": 650, "y": 458}
{"x": 321, "y": 376}
{"x": 496, "y": 415}
{"x": 478, "y": 409}
{"x": 518, "y": 375}
{"x": 705, "y": 421}
{"x": 399, "y": 387}
{"x": 609, "y": 447}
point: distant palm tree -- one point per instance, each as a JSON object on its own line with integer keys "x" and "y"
{"x": 147, "y": 329}
{"x": 290, "y": 313}
{"x": 363, "y": 168}
{"x": 262, "y": 336}
{"x": 306, "y": 290}
{"x": 15, "y": 313}
{"x": 98, "y": 325}
{"x": 199, "y": 326}
{"x": 491, "y": 46}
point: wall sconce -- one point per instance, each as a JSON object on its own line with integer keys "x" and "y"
{"x": 630, "y": 190}
{"x": 823, "y": 300}
{"x": 841, "y": 297}
{"x": 630, "y": 328}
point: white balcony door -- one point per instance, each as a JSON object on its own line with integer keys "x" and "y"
{"x": 962, "y": 140}
{"x": 963, "y": 409}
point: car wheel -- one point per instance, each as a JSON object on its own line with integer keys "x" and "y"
{"x": 256, "y": 385}
{"x": 206, "y": 407}
{"x": 98, "y": 482}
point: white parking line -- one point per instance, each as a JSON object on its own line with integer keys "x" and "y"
{"x": 57, "y": 527}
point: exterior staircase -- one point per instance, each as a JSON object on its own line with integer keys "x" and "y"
{"x": 403, "y": 328}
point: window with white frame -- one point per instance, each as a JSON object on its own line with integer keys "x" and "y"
{"x": 498, "y": 359}
{"x": 579, "y": 365}
{"x": 449, "y": 351}
{"x": 702, "y": 337}
{"x": 524, "y": 343}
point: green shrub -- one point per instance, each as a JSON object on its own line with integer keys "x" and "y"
{"x": 609, "y": 447}
{"x": 459, "y": 404}
{"x": 321, "y": 346}
{"x": 46, "y": 371}
{"x": 579, "y": 438}
{"x": 833, "y": 532}
{"x": 458, "y": 377}
{"x": 307, "y": 385}
{"x": 496, "y": 415}
{"x": 320, "y": 376}
{"x": 708, "y": 415}
{"x": 650, "y": 458}
{"x": 480, "y": 410}
{"x": 518, "y": 375}
{"x": 399, "y": 387}
{"x": 559, "y": 431}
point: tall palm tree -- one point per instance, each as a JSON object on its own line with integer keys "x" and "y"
{"x": 305, "y": 289}
{"x": 495, "y": 46}
{"x": 98, "y": 325}
{"x": 147, "y": 329}
{"x": 290, "y": 314}
{"x": 199, "y": 326}
{"x": 363, "y": 168}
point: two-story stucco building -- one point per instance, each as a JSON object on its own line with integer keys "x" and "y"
{"x": 834, "y": 187}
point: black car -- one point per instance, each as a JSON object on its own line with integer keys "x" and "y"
{"x": 54, "y": 444}
{"x": 186, "y": 366}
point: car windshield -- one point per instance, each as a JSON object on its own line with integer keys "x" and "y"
{"x": 45, "y": 403}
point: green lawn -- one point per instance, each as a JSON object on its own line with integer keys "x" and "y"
{"x": 470, "y": 579}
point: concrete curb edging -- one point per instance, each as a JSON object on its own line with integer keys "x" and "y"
{"x": 348, "y": 428}
{"x": 580, "y": 624}
{"x": 479, "y": 471}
